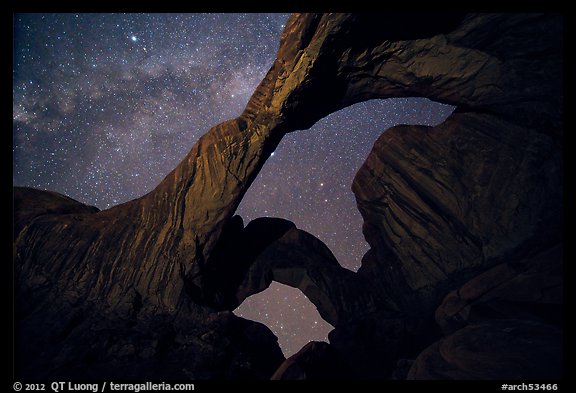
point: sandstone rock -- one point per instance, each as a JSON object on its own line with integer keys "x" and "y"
{"x": 30, "y": 203}
{"x": 441, "y": 204}
{"x": 402, "y": 368}
{"x": 505, "y": 323}
{"x": 372, "y": 343}
{"x": 213, "y": 346}
{"x": 506, "y": 349}
{"x": 301, "y": 261}
{"x": 527, "y": 289}
{"x": 216, "y": 284}
{"x": 445, "y": 203}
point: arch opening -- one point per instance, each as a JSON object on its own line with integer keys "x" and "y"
{"x": 289, "y": 314}
{"x": 308, "y": 178}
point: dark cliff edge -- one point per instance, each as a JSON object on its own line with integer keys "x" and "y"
{"x": 463, "y": 279}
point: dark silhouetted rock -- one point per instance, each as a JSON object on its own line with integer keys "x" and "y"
{"x": 505, "y": 323}
{"x": 403, "y": 366}
{"x": 506, "y": 349}
{"x": 210, "y": 346}
{"x": 527, "y": 289}
{"x": 216, "y": 284}
{"x": 315, "y": 361}
{"x": 300, "y": 260}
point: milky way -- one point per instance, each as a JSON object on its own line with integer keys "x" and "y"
{"x": 106, "y": 105}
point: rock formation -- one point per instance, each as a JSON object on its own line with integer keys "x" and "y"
{"x": 505, "y": 349}
{"x": 442, "y": 204}
{"x": 499, "y": 322}
{"x": 144, "y": 286}
{"x": 525, "y": 289}
{"x": 315, "y": 361}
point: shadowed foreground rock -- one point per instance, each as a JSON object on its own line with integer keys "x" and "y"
{"x": 527, "y": 289}
{"x": 315, "y": 361}
{"x": 505, "y": 323}
{"x": 147, "y": 286}
{"x": 499, "y": 349}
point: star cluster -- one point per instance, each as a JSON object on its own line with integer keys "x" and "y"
{"x": 106, "y": 105}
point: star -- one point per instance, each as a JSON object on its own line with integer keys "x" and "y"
{"x": 133, "y": 38}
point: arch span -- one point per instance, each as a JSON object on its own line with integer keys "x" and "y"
{"x": 300, "y": 260}
{"x": 246, "y": 261}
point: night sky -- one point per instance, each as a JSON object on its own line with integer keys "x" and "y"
{"x": 106, "y": 105}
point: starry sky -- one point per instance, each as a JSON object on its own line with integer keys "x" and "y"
{"x": 106, "y": 105}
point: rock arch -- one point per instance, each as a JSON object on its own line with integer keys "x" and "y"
{"x": 247, "y": 259}
{"x": 130, "y": 269}
{"x": 168, "y": 234}
{"x": 301, "y": 261}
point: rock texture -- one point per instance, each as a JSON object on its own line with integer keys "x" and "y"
{"x": 505, "y": 323}
{"x": 442, "y": 204}
{"x": 148, "y": 284}
{"x": 61, "y": 333}
{"x": 479, "y": 195}
{"x": 30, "y": 203}
{"x": 526, "y": 289}
{"x": 217, "y": 283}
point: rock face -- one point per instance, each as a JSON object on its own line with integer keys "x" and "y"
{"x": 148, "y": 284}
{"x": 30, "y": 203}
{"x": 216, "y": 284}
{"x": 442, "y": 204}
{"x": 73, "y": 337}
{"x": 500, "y": 349}
{"x": 526, "y": 289}
{"x": 503, "y": 324}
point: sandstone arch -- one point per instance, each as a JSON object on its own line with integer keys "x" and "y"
{"x": 127, "y": 270}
